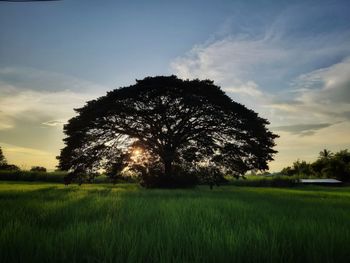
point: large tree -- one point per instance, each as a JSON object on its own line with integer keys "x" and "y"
{"x": 172, "y": 122}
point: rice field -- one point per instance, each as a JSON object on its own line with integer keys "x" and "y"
{"x": 50, "y": 222}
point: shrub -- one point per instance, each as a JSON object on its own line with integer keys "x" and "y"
{"x": 9, "y": 167}
{"x": 211, "y": 176}
{"x": 38, "y": 169}
{"x": 271, "y": 181}
{"x": 32, "y": 176}
{"x": 289, "y": 171}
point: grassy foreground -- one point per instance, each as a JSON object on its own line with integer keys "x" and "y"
{"x": 43, "y": 222}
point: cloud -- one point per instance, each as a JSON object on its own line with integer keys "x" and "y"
{"x": 39, "y": 107}
{"x": 22, "y": 100}
{"x": 320, "y": 95}
{"x": 250, "y": 89}
{"x": 53, "y": 123}
{"x": 293, "y": 146}
{"x": 3, "y": 124}
{"x": 334, "y": 82}
{"x": 229, "y": 60}
{"x": 294, "y": 74}
{"x": 270, "y": 75}
{"x": 31, "y": 116}
{"x": 27, "y": 157}
{"x": 42, "y": 80}
{"x": 267, "y": 59}
{"x": 302, "y": 129}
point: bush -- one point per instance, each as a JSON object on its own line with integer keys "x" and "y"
{"x": 271, "y": 181}
{"x": 289, "y": 171}
{"x": 210, "y": 175}
{"x": 32, "y": 176}
{"x": 9, "y": 167}
{"x": 38, "y": 169}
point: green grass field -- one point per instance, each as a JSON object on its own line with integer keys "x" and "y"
{"x": 42, "y": 222}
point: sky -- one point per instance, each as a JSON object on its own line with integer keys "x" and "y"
{"x": 287, "y": 60}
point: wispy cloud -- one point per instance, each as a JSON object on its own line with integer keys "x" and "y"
{"x": 53, "y": 123}
{"x": 300, "y": 82}
{"x": 302, "y": 129}
{"x": 250, "y": 89}
{"x": 26, "y": 78}
{"x": 41, "y": 97}
{"x": 39, "y": 107}
{"x": 33, "y": 106}
{"x": 276, "y": 71}
{"x": 26, "y": 157}
{"x": 320, "y": 95}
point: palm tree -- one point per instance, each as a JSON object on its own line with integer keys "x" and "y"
{"x": 326, "y": 154}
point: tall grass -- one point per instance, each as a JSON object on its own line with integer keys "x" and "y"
{"x": 43, "y": 222}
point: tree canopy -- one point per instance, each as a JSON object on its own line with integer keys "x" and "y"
{"x": 166, "y": 123}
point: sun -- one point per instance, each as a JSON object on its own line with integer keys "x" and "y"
{"x": 137, "y": 152}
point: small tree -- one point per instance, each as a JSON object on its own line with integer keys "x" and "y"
{"x": 325, "y": 154}
{"x": 301, "y": 167}
{"x": 2, "y": 158}
{"x": 4, "y": 165}
{"x": 289, "y": 171}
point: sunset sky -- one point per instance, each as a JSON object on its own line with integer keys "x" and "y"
{"x": 287, "y": 60}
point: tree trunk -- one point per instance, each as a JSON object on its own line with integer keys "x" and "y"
{"x": 168, "y": 163}
{"x": 167, "y": 158}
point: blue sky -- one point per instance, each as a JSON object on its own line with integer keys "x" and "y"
{"x": 288, "y": 60}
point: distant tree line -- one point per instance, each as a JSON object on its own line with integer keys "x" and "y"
{"x": 328, "y": 165}
{"x": 4, "y": 166}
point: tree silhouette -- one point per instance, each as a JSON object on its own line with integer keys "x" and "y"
{"x": 38, "y": 169}
{"x": 187, "y": 123}
{"x": 325, "y": 154}
{"x": 4, "y": 165}
{"x": 2, "y": 159}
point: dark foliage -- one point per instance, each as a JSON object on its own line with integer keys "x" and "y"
{"x": 80, "y": 176}
{"x": 9, "y": 167}
{"x": 327, "y": 165}
{"x": 28, "y": 176}
{"x": 115, "y": 167}
{"x": 298, "y": 168}
{"x": 38, "y": 169}
{"x": 275, "y": 181}
{"x": 153, "y": 176}
{"x": 173, "y": 123}
{"x": 2, "y": 158}
{"x": 210, "y": 175}
{"x": 4, "y": 166}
